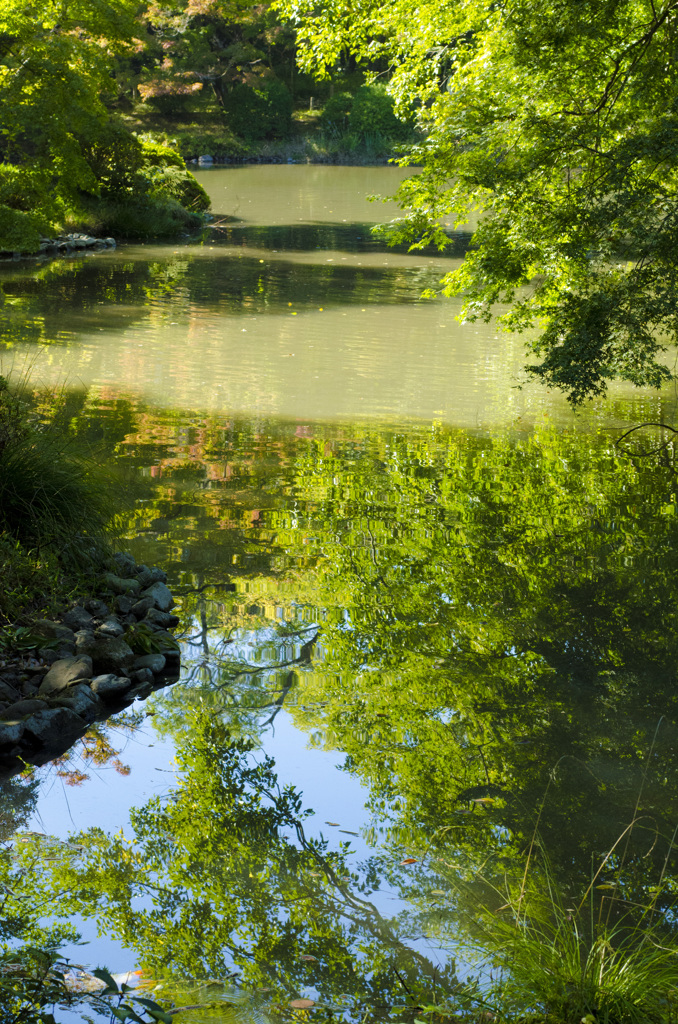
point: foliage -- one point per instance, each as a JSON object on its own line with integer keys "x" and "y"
{"x": 373, "y": 110}
{"x": 556, "y": 122}
{"x": 260, "y": 111}
{"x": 62, "y": 152}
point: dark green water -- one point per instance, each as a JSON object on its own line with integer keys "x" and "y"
{"x": 444, "y": 608}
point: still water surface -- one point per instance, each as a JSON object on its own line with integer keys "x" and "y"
{"x": 439, "y": 607}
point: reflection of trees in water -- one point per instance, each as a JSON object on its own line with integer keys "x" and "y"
{"x": 496, "y": 653}
{"x": 66, "y": 298}
{"x": 496, "y": 617}
{"x": 221, "y": 875}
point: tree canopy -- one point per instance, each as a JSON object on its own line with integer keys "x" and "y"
{"x": 556, "y": 122}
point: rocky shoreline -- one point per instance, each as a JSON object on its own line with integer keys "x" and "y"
{"x": 63, "y": 245}
{"x": 94, "y": 661}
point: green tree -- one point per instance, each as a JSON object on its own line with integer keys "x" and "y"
{"x": 556, "y": 122}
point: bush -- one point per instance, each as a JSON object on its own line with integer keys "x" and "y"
{"x": 373, "y": 113}
{"x": 160, "y": 154}
{"x": 149, "y": 217}
{"x": 179, "y": 185}
{"x": 261, "y": 112}
{"x": 335, "y": 114}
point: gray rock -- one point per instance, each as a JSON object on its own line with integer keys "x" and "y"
{"x": 9, "y": 693}
{"x": 111, "y": 627}
{"x": 109, "y": 654}
{"x": 54, "y": 631}
{"x": 141, "y": 691}
{"x": 65, "y": 651}
{"x": 142, "y": 675}
{"x": 53, "y": 729}
{"x": 123, "y": 604}
{"x": 158, "y": 618}
{"x": 110, "y": 686}
{"x": 48, "y": 655}
{"x": 206, "y": 159}
{"x": 172, "y": 662}
{"x": 17, "y": 712}
{"x": 155, "y": 662}
{"x": 66, "y": 672}
{"x": 77, "y": 618}
{"x": 111, "y": 242}
{"x": 162, "y": 596}
{"x": 159, "y": 575}
{"x": 30, "y": 686}
{"x": 10, "y": 733}
{"x": 125, "y": 563}
{"x": 99, "y": 609}
{"x": 143, "y": 606}
{"x": 84, "y": 638}
{"x": 81, "y": 699}
{"x": 121, "y": 586}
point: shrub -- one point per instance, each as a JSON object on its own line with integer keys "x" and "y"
{"x": 261, "y": 112}
{"x": 179, "y": 185}
{"x": 335, "y": 114}
{"x": 373, "y": 112}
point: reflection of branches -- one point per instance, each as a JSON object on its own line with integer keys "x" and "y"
{"x": 651, "y": 451}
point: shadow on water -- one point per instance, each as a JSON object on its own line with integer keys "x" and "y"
{"x": 326, "y": 236}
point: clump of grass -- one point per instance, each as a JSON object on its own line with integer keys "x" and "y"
{"x": 559, "y": 963}
{"x": 56, "y": 510}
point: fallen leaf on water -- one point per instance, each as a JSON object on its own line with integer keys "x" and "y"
{"x": 437, "y": 892}
{"x": 307, "y": 956}
{"x": 409, "y": 860}
{"x": 482, "y": 800}
{"x": 301, "y": 1004}
{"x": 605, "y": 887}
{"x": 347, "y": 832}
{"x": 334, "y": 823}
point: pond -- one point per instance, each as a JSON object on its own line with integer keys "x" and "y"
{"x": 429, "y": 617}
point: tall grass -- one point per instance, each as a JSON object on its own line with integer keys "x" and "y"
{"x": 57, "y": 507}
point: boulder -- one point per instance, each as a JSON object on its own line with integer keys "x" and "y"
{"x": 21, "y": 709}
{"x": 142, "y": 675}
{"x": 111, "y": 627}
{"x": 143, "y": 606}
{"x": 161, "y": 595}
{"x": 8, "y": 692}
{"x": 159, "y": 575}
{"x": 77, "y": 618}
{"x": 162, "y": 619}
{"x": 99, "y": 609}
{"x": 110, "y": 686}
{"x": 108, "y": 654}
{"x": 81, "y": 699}
{"x": 54, "y": 631}
{"x": 10, "y": 734}
{"x": 47, "y": 655}
{"x": 53, "y": 730}
{"x": 154, "y": 662}
{"x": 65, "y": 673}
{"x": 121, "y": 586}
{"x": 145, "y": 576}
{"x": 125, "y": 563}
{"x": 123, "y": 604}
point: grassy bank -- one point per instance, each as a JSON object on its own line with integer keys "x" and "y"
{"x": 349, "y": 128}
{"x": 56, "y": 513}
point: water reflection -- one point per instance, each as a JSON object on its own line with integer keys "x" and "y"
{"x": 485, "y": 625}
